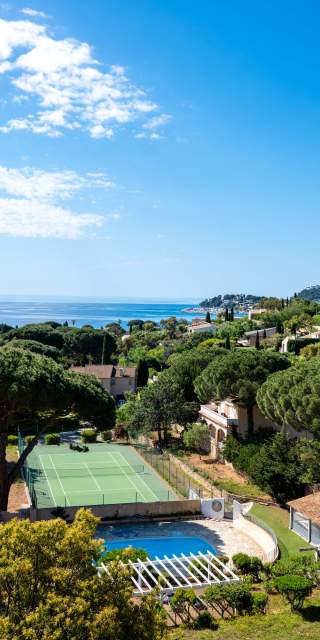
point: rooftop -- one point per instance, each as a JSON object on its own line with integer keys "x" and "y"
{"x": 105, "y": 371}
{"x": 308, "y": 506}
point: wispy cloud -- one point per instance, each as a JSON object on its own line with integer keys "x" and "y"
{"x": 31, "y": 206}
{"x": 35, "y": 219}
{"x": 157, "y": 121}
{"x": 30, "y": 182}
{"x": 67, "y": 87}
{"x": 32, "y": 13}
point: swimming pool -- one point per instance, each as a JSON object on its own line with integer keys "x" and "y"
{"x": 164, "y": 546}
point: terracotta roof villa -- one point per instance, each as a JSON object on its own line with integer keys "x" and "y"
{"x": 305, "y": 517}
{"x": 116, "y": 380}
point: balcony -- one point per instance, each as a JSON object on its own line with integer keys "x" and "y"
{"x": 218, "y": 420}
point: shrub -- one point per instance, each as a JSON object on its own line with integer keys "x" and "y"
{"x": 248, "y": 565}
{"x": 260, "y": 601}
{"x": 182, "y": 599}
{"x": 197, "y": 437}
{"x": 28, "y": 439}
{"x": 237, "y": 596}
{"x": 130, "y": 553}
{"x": 89, "y": 435}
{"x": 205, "y": 621}
{"x": 12, "y": 439}
{"x": 52, "y": 438}
{"x": 300, "y": 565}
{"x": 294, "y": 589}
{"x": 106, "y": 435}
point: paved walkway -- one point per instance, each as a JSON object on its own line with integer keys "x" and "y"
{"x": 220, "y": 535}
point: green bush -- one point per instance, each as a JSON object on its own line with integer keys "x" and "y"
{"x": 106, "y": 435}
{"x": 247, "y": 565}
{"x": 205, "y": 621}
{"x": 130, "y": 553}
{"x": 28, "y": 439}
{"x": 89, "y": 435}
{"x": 237, "y": 596}
{"x": 182, "y": 600}
{"x": 52, "y": 438}
{"x": 196, "y": 437}
{"x": 260, "y": 601}
{"x": 12, "y": 439}
{"x": 294, "y": 589}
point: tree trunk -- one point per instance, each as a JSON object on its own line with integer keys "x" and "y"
{"x": 4, "y": 480}
{"x": 250, "y": 419}
{"x": 159, "y": 436}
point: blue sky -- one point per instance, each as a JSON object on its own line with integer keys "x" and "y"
{"x": 162, "y": 149}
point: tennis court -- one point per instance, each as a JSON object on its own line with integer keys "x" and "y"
{"x": 106, "y": 474}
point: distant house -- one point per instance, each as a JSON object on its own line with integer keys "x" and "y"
{"x": 305, "y": 517}
{"x": 256, "y": 312}
{"x": 249, "y": 338}
{"x": 202, "y": 327}
{"x": 285, "y": 344}
{"x": 227, "y": 416}
{"x": 116, "y": 380}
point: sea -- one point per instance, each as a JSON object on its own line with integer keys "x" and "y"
{"x": 17, "y": 311}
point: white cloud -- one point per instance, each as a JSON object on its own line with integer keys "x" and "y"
{"x": 33, "y": 13}
{"x": 31, "y": 206}
{"x": 32, "y": 183}
{"x": 157, "y": 121}
{"x": 69, "y": 87}
{"x": 35, "y": 219}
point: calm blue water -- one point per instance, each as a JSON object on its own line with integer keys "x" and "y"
{"x": 18, "y": 312}
{"x": 166, "y": 546}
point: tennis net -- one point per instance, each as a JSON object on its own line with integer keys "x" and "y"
{"x": 86, "y": 471}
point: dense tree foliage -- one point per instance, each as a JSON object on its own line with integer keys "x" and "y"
{"x": 77, "y": 346}
{"x": 50, "y": 587}
{"x": 293, "y": 397}
{"x": 159, "y": 406}
{"x": 274, "y": 462}
{"x": 196, "y": 437}
{"x": 239, "y": 374}
{"x": 36, "y": 390}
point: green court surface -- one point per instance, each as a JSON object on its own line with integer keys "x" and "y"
{"x": 107, "y": 474}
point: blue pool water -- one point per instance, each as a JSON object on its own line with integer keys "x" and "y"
{"x": 163, "y": 545}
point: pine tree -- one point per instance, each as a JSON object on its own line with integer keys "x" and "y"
{"x": 264, "y": 334}
{"x": 257, "y": 345}
{"x": 208, "y": 317}
{"x": 282, "y": 303}
{"x": 227, "y": 315}
{"x": 227, "y": 342}
{"x": 231, "y": 315}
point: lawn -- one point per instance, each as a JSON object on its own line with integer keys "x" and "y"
{"x": 278, "y": 520}
{"x": 278, "y": 624}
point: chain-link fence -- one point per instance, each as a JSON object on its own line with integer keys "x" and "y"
{"x": 170, "y": 470}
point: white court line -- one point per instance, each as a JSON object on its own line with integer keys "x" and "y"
{"x": 93, "y": 478}
{"x": 144, "y": 482}
{"x": 48, "y": 483}
{"x": 130, "y": 480}
{"x": 61, "y": 485}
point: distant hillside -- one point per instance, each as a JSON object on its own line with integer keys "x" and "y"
{"x": 230, "y": 300}
{"x": 310, "y": 293}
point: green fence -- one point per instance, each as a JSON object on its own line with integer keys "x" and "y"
{"x": 172, "y": 473}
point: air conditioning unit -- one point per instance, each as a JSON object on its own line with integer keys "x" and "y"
{"x": 213, "y": 508}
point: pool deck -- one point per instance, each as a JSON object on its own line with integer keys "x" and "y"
{"x": 220, "y": 534}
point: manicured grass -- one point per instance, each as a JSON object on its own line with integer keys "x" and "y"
{"x": 279, "y": 624}
{"x": 278, "y": 520}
